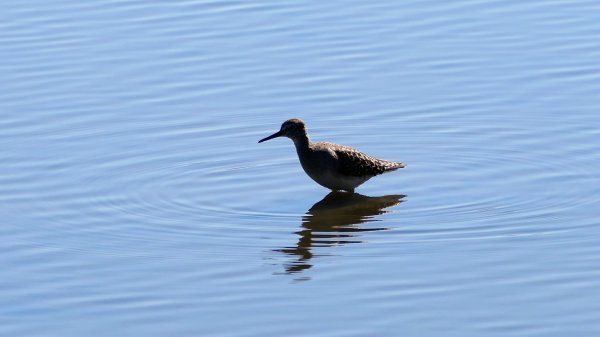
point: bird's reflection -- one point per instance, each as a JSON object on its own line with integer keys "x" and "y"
{"x": 333, "y": 221}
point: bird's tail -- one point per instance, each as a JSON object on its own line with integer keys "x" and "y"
{"x": 393, "y": 165}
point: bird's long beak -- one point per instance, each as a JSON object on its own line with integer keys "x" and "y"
{"x": 275, "y": 135}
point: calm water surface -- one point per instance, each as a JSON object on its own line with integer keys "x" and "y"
{"x": 136, "y": 201}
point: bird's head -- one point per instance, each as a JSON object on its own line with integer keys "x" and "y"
{"x": 292, "y": 128}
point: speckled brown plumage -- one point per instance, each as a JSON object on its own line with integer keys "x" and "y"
{"x": 334, "y": 166}
{"x": 358, "y": 164}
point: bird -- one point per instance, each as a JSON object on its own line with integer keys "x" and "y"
{"x": 334, "y": 166}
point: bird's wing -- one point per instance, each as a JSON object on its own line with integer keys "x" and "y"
{"x": 357, "y": 164}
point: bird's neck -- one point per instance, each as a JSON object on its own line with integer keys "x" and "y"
{"x": 302, "y": 143}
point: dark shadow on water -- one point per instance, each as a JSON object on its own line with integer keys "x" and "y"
{"x": 335, "y": 221}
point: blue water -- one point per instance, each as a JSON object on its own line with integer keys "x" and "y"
{"x": 137, "y": 202}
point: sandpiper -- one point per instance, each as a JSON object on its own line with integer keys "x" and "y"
{"x": 334, "y": 166}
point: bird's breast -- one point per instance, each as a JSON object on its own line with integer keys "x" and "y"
{"x": 323, "y": 169}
